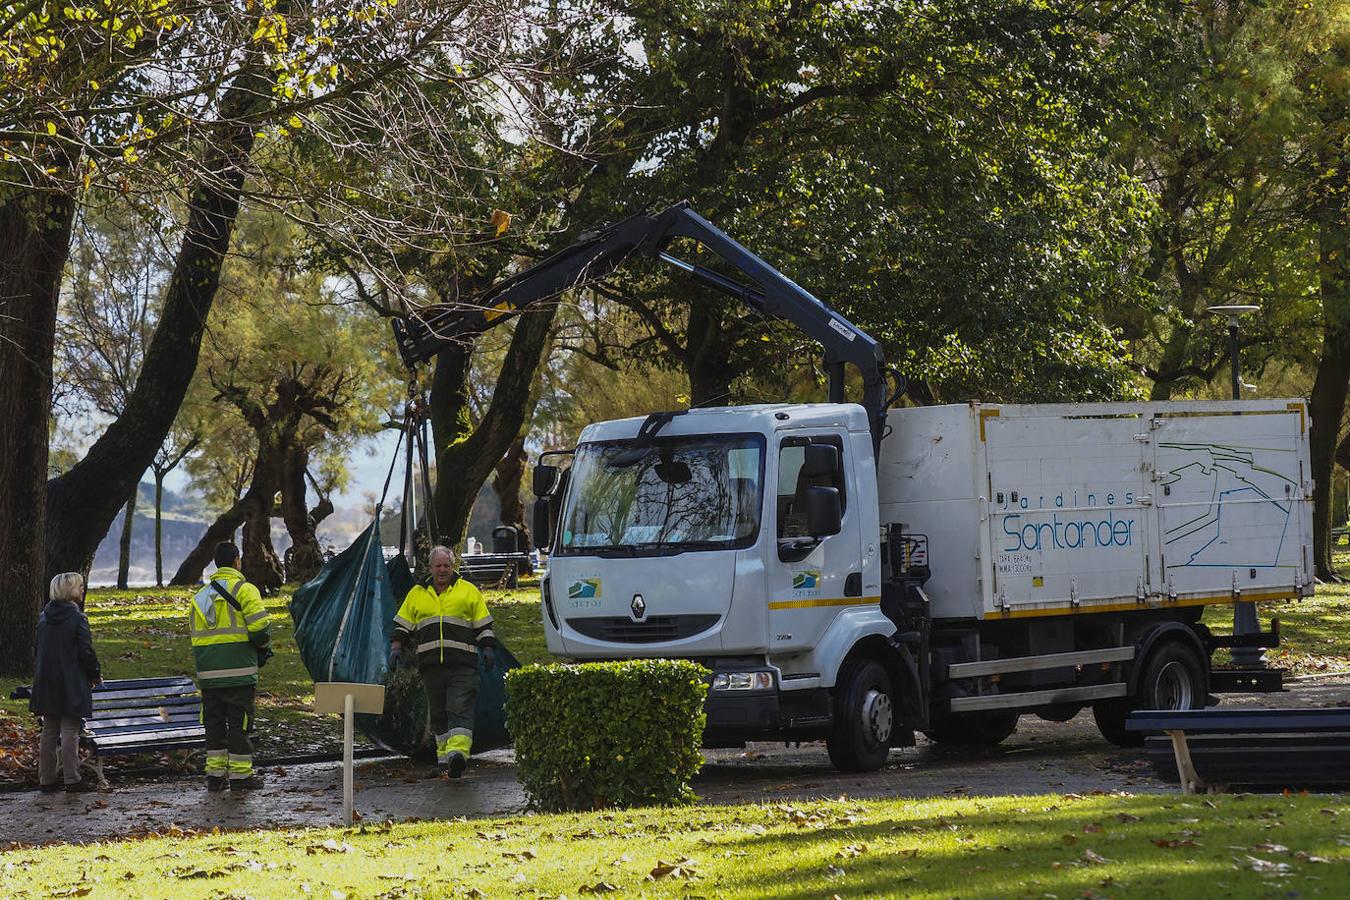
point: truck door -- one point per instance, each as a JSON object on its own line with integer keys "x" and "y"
{"x": 1230, "y": 502}
{"x": 805, "y": 594}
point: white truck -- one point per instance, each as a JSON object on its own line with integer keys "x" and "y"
{"x": 857, "y": 575}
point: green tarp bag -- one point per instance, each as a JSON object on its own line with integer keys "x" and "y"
{"x": 344, "y": 617}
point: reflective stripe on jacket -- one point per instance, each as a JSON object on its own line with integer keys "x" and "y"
{"x": 226, "y": 650}
{"x": 447, "y": 627}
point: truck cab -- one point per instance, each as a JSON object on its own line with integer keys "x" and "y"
{"x": 706, "y": 544}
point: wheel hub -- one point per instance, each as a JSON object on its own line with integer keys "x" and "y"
{"x": 1174, "y": 689}
{"x": 876, "y": 716}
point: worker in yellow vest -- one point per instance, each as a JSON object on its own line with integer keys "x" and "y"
{"x": 231, "y": 640}
{"x": 446, "y": 619}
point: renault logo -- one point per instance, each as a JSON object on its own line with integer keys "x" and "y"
{"x": 638, "y": 606}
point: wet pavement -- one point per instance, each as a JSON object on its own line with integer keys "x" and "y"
{"x": 1041, "y": 757}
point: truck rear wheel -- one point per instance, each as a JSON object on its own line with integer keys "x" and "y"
{"x": 1174, "y": 677}
{"x": 863, "y": 717}
{"x": 973, "y": 729}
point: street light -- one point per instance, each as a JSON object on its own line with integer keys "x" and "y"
{"x": 1233, "y": 313}
{"x": 1244, "y": 611}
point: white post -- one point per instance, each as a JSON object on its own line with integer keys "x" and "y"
{"x": 349, "y": 699}
{"x": 348, "y": 764}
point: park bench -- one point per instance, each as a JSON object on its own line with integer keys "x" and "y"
{"x": 493, "y": 569}
{"x": 143, "y": 715}
{"x": 1209, "y": 749}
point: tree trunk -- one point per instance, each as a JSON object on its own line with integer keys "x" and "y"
{"x": 1326, "y": 405}
{"x": 506, "y": 481}
{"x": 159, "y": 528}
{"x": 35, "y": 230}
{"x": 124, "y": 545}
{"x": 222, "y": 529}
{"x": 82, "y": 503}
{"x": 708, "y": 359}
{"x": 261, "y": 564}
{"x": 465, "y": 460}
{"x": 305, "y": 555}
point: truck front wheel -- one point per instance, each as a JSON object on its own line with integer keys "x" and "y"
{"x": 863, "y": 717}
{"x": 1174, "y": 677}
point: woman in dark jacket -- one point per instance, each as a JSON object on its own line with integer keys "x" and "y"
{"x": 67, "y": 671}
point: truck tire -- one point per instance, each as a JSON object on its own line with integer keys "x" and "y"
{"x": 973, "y": 729}
{"x": 863, "y": 717}
{"x": 1174, "y": 677}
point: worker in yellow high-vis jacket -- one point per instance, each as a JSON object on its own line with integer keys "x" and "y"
{"x": 447, "y": 621}
{"x": 231, "y": 640}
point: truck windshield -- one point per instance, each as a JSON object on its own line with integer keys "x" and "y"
{"x": 681, "y": 493}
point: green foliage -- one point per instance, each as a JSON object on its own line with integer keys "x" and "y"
{"x": 607, "y": 734}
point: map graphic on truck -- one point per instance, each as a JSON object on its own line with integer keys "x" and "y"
{"x": 585, "y": 589}
{"x": 1226, "y": 506}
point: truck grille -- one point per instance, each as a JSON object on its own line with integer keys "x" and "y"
{"x": 652, "y": 630}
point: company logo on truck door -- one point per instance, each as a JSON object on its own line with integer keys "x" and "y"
{"x": 806, "y": 579}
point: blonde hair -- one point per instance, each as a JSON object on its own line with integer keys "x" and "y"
{"x": 449, "y": 551}
{"x": 68, "y": 586}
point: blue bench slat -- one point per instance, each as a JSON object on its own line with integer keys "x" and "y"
{"x": 157, "y": 681}
{"x": 98, "y": 726}
{"x": 143, "y": 728}
{"x": 1241, "y": 721}
{"x": 144, "y": 702}
{"x": 131, "y": 743}
{"x": 139, "y": 700}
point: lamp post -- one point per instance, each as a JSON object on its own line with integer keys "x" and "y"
{"x": 1244, "y": 611}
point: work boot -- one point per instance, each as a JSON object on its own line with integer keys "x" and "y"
{"x": 53, "y": 788}
{"x": 456, "y": 765}
{"x": 83, "y": 786}
{"x": 251, "y": 783}
{"x": 215, "y": 783}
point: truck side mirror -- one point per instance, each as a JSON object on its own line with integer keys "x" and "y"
{"x": 823, "y": 514}
{"x": 820, "y": 460}
{"x": 539, "y": 525}
{"x": 545, "y": 480}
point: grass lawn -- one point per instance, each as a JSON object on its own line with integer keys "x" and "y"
{"x": 142, "y": 633}
{"x": 1047, "y": 846}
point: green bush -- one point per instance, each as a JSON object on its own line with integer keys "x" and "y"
{"x": 607, "y": 734}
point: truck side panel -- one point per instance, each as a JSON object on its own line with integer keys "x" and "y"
{"x": 1233, "y": 504}
{"x": 1035, "y": 510}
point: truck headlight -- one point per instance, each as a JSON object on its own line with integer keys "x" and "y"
{"x": 742, "y": 681}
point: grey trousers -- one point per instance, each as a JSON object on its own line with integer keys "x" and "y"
{"x": 451, "y": 694}
{"x": 67, "y": 730}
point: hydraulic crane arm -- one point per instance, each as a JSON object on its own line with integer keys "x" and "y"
{"x": 424, "y": 334}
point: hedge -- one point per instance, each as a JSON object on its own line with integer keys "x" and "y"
{"x": 607, "y": 734}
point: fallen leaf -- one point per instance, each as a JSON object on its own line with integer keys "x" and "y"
{"x": 850, "y": 851}
{"x": 681, "y": 868}
{"x": 600, "y": 887}
{"x": 1095, "y": 858}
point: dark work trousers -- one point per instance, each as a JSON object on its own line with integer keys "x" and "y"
{"x": 227, "y": 714}
{"x": 451, "y": 694}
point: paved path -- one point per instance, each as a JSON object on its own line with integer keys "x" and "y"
{"x": 1042, "y": 757}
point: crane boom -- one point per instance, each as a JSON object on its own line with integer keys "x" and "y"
{"x": 423, "y": 334}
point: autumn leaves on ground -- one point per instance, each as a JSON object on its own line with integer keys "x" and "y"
{"x": 1049, "y": 846}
